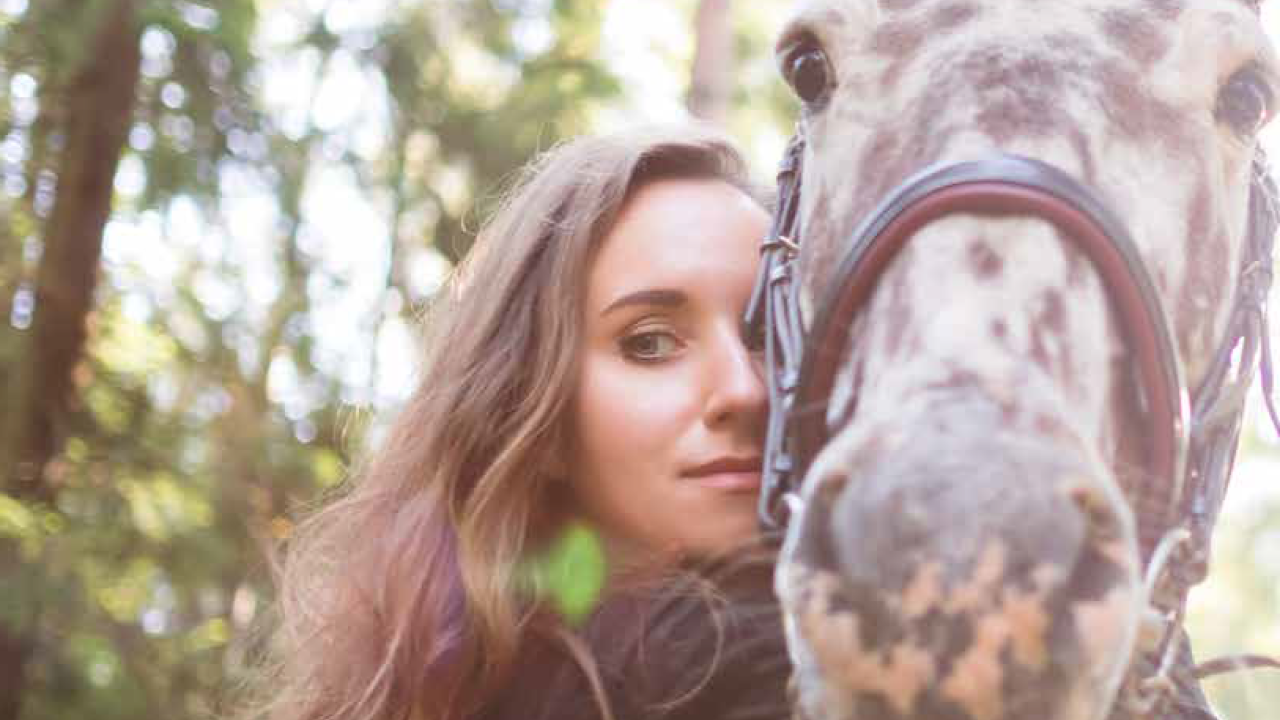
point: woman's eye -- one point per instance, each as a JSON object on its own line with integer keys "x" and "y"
{"x": 1244, "y": 103}
{"x": 650, "y": 346}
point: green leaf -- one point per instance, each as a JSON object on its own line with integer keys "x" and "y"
{"x": 570, "y": 575}
{"x": 16, "y": 519}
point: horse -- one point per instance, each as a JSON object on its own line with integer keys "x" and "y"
{"x": 1011, "y": 303}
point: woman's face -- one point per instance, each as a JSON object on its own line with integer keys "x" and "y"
{"x": 668, "y": 417}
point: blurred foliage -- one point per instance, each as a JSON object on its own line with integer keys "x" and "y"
{"x": 1237, "y": 609}
{"x": 570, "y": 573}
{"x": 228, "y": 375}
{"x": 298, "y": 177}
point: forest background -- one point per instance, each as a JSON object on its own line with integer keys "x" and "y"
{"x": 218, "y": 223}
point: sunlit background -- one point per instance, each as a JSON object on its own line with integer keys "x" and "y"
{"x": 298, "y": 178}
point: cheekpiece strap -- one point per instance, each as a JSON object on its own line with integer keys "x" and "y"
{"x": 773, "y": 321}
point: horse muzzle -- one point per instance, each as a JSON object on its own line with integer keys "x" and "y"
{"x": 960, "y": 572}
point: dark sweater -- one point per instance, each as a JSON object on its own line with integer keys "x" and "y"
{"x": 667, "y": 653}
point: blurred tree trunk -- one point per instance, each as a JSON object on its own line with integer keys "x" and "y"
{"x": 95, "y": 120}
{"x": 712, "y": 81}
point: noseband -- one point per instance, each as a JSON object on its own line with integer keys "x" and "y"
{"x": 1190, "y": 444}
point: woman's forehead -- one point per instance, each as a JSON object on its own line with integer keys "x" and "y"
{"x": 674, "y": 232}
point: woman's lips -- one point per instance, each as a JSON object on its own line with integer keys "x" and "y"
{"x": 729, "y": 474}
{"x": 738, "y": 482}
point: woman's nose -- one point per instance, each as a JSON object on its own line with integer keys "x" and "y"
{"x": 737, "y": 391}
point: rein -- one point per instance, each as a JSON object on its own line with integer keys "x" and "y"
{"x": 1191, "y": 443}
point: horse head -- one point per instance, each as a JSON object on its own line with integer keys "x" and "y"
{"x": 1009, "y": 483}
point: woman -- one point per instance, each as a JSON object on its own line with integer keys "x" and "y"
{"x": 585, "y": 363}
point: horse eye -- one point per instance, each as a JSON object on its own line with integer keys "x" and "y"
{"x": 1245, "y": 102}
{"x": 808, "y": 74}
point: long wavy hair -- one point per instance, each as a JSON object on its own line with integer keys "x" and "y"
{"x": 402, "y": 597}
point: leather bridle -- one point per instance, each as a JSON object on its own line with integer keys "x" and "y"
{"x": 1192, "y": 437}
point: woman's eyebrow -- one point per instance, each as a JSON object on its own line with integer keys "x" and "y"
{"x": 662, "y": 297}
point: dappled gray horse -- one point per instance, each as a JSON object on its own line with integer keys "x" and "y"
{"x": 1026, "y": 246}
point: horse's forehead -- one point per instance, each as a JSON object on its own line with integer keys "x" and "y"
{"x": 1012, "y": 65}
{"x": 1118, "y": 93}
{"x": 1119, "y": 22}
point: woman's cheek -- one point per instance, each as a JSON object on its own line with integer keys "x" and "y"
{"x": 654, "y": 405}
